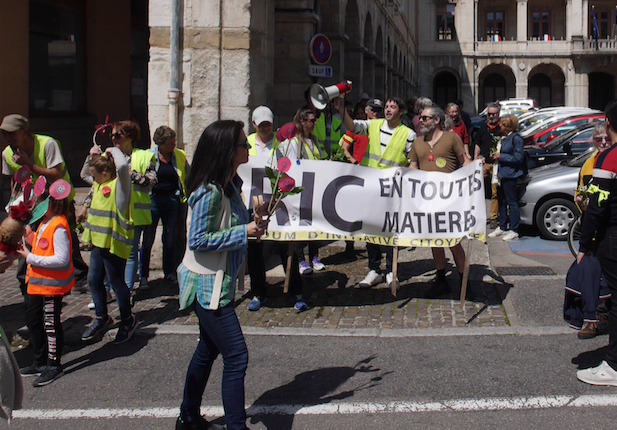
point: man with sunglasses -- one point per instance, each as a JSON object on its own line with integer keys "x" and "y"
{"x": 42, "y": 154}
{"x": 486, "y": 140}
{"x": 389, "y": 142}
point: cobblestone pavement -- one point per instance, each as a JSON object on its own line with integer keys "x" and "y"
{"x": 335, "y": 301}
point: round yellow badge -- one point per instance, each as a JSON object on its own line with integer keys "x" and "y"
{"x": 441, "y": 162}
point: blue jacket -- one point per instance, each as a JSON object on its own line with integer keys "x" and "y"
{"x": 511, "y": 157}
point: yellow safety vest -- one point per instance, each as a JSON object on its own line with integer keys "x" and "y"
{"x": 335, "y": 133}
{"x": 39, "y": 159}
{"x": 140, "y": 196}
{"x": 394, "y": 155}
{"x": 106, "y": 227}
{"x": 180, "y": 167}
{"x": 306, "y": 153}
{"x": 253, "y": 149}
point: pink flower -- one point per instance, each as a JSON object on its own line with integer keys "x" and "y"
{"x": 287, "y": 184}
{"x": 284, "y": 164}
{"x": 106, "y": 191}
{"x": 287, "y": 131}
{"x": 22, "y": 175}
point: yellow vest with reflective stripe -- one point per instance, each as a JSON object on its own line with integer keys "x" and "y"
{"x": 39, "y": 159}
{"x": 181, "y": 171}
{"x": 140, "y": 196}
{"x": 253, "y": 149}
{"x": 394, "y": 155}
{"x": 106, "y": 227}
{"x": 335, "y": 132}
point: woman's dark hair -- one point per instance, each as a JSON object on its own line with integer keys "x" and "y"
{"x": 162, "y": 134}
{"x": 213, "y": 158}
{"x": 130, "y": 129}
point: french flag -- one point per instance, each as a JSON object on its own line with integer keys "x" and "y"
{"x": 496, "y": 38}
{"x": 546, "y": 38}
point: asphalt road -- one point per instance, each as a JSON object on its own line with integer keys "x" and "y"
{"x": 337, "y": 382}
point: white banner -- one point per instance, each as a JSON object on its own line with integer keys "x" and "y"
{"x": 396, "y": 207}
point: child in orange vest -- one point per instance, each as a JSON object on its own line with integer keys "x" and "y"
{"x": 49, "y": 277}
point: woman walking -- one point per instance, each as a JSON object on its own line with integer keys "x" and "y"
{"x": 218, "y": 233}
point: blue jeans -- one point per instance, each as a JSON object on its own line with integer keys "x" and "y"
{"x": 508, "y": 204}
{"x": 164, "y": 208}
{"x": 105, "y": 265}
{"x": 132, "y": 263}
{"x": 219, "y": 332}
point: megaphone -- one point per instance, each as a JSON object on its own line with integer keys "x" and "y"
{"x": 320, "y": 96}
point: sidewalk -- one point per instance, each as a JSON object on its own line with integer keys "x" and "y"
{"x": 335, "y": 301}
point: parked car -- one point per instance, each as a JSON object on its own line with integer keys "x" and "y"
{"x": 564, "y": 147}
{"x": 551, "y": 130}
{"x": 543, "y": 115}
{"x": 547, "y": 197}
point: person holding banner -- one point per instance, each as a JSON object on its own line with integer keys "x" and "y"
{"x": 219, "y": 226}
{"x": 389, "y": 142}
{"x": 304, "y": 146}
{"x": 439, "y": 151}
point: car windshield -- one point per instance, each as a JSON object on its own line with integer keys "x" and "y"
{"x": 580, "y": 160}
{"x": 559, "y": 140}
{"x": 533, "y": 120}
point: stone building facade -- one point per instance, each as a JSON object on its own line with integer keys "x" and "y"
{"x": 239, "y": 54}
{"x": 484, "y": 50}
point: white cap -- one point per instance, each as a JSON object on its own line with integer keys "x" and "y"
{"x": 261, "y": 114}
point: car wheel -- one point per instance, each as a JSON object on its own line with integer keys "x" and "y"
{"x": 554, "y": 217}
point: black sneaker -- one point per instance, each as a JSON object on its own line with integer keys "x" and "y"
{"x": 97, "y": 328}
{"x": 32, "y": 370}
{"x": 49, "y": 375}
{"x": 126, "y": 329}
{"x": 200, "y": 424}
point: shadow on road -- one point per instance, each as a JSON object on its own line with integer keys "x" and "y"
{"x": 316, "y": 387}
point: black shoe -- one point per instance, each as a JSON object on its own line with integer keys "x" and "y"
{"x": 493, "y": 224}
{"x": 49, "y": 375}
{"x": 200, "y": 424}
{"x": 126, "y": 329}
{"x": 439, "y": 287}
{"x": 98, "y": 327}
{"x": 32, "y": 370}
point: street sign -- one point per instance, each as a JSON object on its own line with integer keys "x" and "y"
{"x": 321, "y": 49}
{"x": 320, "y": 71}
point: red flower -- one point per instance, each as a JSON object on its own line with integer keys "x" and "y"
{"x": 22, "y": 175}
{"x": 106, "y": 191}
{"x": 287, "y": 131}
{"x": 287, "y": 184}
{"x": 284, "y": 164}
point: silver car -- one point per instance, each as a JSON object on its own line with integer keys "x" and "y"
{"x": 547, "y": 197}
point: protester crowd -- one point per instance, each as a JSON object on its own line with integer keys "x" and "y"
{"x": 132, "y": 189}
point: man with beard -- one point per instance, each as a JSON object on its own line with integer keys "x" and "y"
{"x": 486, "y": 140}
{"x": 389, "y": 142}
{"x": 439, "y": 151}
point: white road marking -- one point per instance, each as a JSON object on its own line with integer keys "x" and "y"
{"x": 456, "y": 405}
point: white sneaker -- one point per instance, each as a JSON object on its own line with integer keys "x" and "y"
{"x": 373, "y": 278}
{"x": 601, "y": 375}
{"x": 390, "y": 278}
{"x": 91, "y": 305}
{"x": 497, "y": 232}
{"x": 511, "y": 235}
{"x": 304, "y": 268}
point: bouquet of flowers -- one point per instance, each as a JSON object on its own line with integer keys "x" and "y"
{"x": 582, "y": 197}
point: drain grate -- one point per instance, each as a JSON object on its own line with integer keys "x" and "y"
{"x": 525, "y": 271}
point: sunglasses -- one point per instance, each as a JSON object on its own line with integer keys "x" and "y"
{"x": 244, "y": 145}
{"x": 493, "y": 113}
{"x": 311, "y": 120}
{"x": 600, "y": 140}
{"x": 376, "y": 109}
{"x": 426, "y": 117}
{"x": 116, "y": 135}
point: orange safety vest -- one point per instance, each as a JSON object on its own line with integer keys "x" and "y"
{"x": 45, "y": 281}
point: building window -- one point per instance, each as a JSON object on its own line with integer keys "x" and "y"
{"x": 540, "y": 24}
{"x": 445, "y": 22}
{"x": 603, "y": 19}
{"x": 56, "y": 57}
{"x": 494, "y": 26}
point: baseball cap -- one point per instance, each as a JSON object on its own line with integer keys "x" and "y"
{"x": 261, "y": 114}
{"x": 14, "y": 122}
{"x": 363, "y": 96}
{"x": 376, "y": 103}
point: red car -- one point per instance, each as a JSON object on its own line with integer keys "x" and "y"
{"x": 542, "y": 137}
